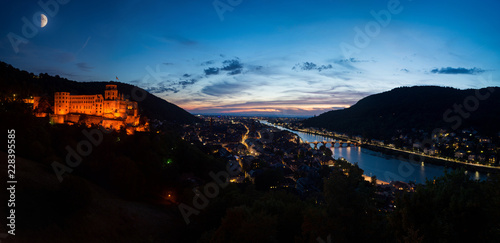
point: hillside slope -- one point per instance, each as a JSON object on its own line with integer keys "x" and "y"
{"x": 419, "y": 107}
{"x": 23, "y": 83}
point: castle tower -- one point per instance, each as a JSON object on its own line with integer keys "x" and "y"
{"x": 111, "y": 92}
{"x": 61, "y": 103}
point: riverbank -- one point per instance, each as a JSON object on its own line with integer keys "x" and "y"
{"x": 378, "y": 182}
{"x": 320, "y": 134}
{"x": 387, "y": 168}
{"x": 427, "y": 159}
{"x": 431, "y": 160}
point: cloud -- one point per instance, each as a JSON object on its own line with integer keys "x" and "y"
{"x": 307, "y": 66}
{"x": 173, "y": 85}
{"x": 257, "y": 68}
{"x": 84, "y": 66}
{"x": 211, "y": 71}
{"x": 293, "y": 102}
{"x": 161, "y": 89}
{"x": 234, "y": 72}
{"x": 233, "y": 67}
{"x": 352, "y": 59}
{"x": 185, "y": 83}
{"x": 296, "y": 106}
{"x": 459, "y": 70}
{"x": 348, "y": 63}
{"x": 224, "y": 88}
{"x": 340, "y": 93}
{"x": 207, "y": 63}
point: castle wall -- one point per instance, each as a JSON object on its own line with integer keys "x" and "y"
{"x": 74, "y": 118}
{"x": 86, "y": 104}
{"x": 61, "y": 103}
{"x": 56, "y": 119}
{"x": 132, "y": 121}
{"x": 113, "y": 124}
{"x": 91, "y": 120}
{"x": 112, "y": 111}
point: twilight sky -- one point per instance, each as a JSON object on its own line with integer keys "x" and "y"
{"x": 258, "y": 57}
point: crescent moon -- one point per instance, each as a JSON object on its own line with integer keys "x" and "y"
{"x": 43, "y": 21}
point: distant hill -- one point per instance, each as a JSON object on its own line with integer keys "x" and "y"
{"x": 23, "y": 83}
{"x": 419, "y": 107}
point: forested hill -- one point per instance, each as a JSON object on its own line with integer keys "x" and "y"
{"x": 419, "y": 107}
{"x": 23, "y": 83}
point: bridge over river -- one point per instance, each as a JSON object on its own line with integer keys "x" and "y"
{"x": 385, "y": 167}
{"x": 333, "y": 143}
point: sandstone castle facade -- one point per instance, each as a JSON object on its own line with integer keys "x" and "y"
{"x": 111, "y": 111}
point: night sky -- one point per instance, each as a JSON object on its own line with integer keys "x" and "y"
{"x": 260, "y": 57}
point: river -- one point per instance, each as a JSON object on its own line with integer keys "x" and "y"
{"x": 384, "y": 167}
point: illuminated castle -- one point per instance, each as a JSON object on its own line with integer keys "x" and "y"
{"x": 112, "y": 111}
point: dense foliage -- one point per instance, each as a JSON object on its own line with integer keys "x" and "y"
{"x": 452, "y": 208}
{"x": 141, "y": 167}
{"x": 133, "y": 166}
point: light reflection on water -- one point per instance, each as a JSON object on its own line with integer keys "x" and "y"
{"x": 384, "y": 167}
